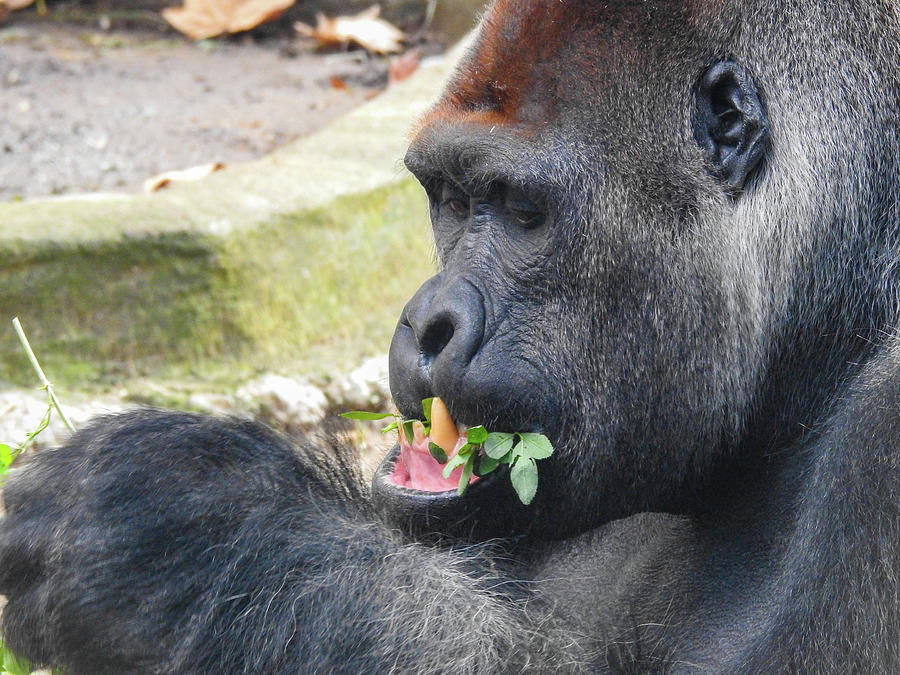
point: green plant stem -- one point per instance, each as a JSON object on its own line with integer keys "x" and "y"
{"x": 40, "y": 373}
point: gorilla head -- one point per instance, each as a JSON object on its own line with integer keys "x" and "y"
{"x": 641, "y": 236}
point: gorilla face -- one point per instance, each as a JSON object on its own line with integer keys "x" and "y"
{"x": 592, "y": 285}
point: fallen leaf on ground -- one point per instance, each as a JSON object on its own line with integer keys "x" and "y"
{"x": 181, "y": 176}
{"x": 202, "y": 19}
{"x": 16, "y": 4}
{"x": 402, "y": 67}
{"x": 364, "y": 29}
{"x": 6, "y": 6}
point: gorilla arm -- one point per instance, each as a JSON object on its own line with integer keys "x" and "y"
{"x": 166, "y": 542}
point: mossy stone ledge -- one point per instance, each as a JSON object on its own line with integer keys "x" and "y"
{"x": 301, "y": 260}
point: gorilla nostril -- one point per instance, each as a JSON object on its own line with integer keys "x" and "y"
{"x": 436, "y": 337}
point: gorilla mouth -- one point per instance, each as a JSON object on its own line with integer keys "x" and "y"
{"x": 421, "y": 488}
{"x": 424, "y": 461}
{"x": 426, "y": 450}
{"x": 415, "y": 468}
{"x": 410, "y": 492}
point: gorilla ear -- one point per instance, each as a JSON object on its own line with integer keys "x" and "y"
{"x": 730, "y": 123}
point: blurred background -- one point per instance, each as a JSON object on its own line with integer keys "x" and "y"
{"x": 204, "y": 206}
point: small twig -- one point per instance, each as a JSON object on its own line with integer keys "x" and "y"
{"x": 40, "y": 373}
{"x": 430, "y": 6}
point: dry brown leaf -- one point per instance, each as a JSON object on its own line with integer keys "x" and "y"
{"x": 16, "y": 4}
{"x": 364, "y": 29}
{"x": 202, "y": 19}
{"x": 7, "y": 6}
{"x": 183, "y": 175}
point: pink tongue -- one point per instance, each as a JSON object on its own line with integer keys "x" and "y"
{"x": 415, "y": 468}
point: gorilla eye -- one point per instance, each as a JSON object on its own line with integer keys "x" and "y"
{"x": 454, "y": 199}
{"x": 522, "y": 211}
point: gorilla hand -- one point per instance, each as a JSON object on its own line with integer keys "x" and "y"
{"x": 113, "y": 545}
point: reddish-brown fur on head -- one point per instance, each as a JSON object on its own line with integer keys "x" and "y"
{"x": 501, "y": 71}
{"x": 516, "y": 74}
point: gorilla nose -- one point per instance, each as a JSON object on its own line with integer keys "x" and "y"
{"x": 447, "y": 320}
{"x": 441, "y": 329}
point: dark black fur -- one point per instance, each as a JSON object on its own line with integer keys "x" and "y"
{"x": 671, "y": 244}
{"x": 168, "y": 542}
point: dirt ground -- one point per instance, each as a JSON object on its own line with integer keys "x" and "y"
{"x": 83, "y": 109}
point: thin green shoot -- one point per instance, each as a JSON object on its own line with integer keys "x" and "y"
{"x": 9, "y": 453}
{"x": 45, "y": 383}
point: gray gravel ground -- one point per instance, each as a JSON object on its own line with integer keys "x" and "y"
{"x": 85, "y": 110}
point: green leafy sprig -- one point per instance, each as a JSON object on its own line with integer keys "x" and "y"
{"x": 9, "y": 453}
{"x": 482, "y": 453}
{"x": 10, "y": 664}
{"x": 400, "y": 423}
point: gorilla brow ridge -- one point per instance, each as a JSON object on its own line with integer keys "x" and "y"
{"x": 477, "y": 158}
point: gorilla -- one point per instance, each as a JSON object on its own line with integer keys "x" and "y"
{"x": 669, "y": 240}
